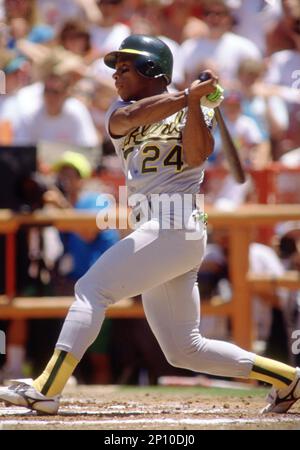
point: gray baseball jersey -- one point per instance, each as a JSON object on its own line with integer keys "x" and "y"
{"x": 152, "y": 155}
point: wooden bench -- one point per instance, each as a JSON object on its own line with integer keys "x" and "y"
{"x": 261, "y": 284}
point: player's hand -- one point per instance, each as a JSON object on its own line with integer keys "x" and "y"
{"x": 200, "y": 89}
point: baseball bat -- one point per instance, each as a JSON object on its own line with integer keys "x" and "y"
{"x": 228, "y": 145}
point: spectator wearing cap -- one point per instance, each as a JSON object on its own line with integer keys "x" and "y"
{"x": 73, "y": 170}
{"x": 22, "y": 18}
{"x": 81, "y": 249}
{"x": 225, "y": 49}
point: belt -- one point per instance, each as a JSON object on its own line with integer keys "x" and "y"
{"x": 198, "y": 215}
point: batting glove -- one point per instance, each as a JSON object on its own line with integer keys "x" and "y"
{"x": 213, "y": 100}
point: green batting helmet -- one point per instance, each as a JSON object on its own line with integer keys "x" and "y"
{"x": 152, "y": 57}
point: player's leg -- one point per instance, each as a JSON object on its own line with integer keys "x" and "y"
{"x": 173, "y": 312}
{"x": 146, "y": 258}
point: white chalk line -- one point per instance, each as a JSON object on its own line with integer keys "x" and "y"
{"x": 79, "y": 411}
{"x": 203, "y": 422}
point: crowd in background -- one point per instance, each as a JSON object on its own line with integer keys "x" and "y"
{"x": 52, "y": 53}
{"x": 56, "y": 90}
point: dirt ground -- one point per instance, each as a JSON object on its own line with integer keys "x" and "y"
{"x": 153, "y": 408}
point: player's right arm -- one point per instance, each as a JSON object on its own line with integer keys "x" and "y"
{"x": 197, "y": 140}
{"x": 153, "y": 109}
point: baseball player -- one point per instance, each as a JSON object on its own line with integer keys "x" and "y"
{"x": 163, "y": 140}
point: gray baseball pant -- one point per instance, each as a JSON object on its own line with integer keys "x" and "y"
{"x": 162, "y": 266}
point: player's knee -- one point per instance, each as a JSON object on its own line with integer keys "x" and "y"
{"x": 80, "y": 288}
{"x": 175, "y": 360}
{"x": 178, "y": 358}
{"x": 184, "y": 351}
{"x": 91, "y": 293}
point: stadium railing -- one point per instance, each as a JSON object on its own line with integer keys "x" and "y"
{"x": 240, "y": 224}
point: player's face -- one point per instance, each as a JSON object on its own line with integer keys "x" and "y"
{"x": 129, "y": 83}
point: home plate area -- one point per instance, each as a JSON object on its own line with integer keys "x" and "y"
{"x": 153, "y": 408}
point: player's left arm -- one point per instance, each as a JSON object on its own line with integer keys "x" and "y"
{"x": 198, "y": 142}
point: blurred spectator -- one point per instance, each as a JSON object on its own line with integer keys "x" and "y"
{"x": 253, "y": 19}
{"x": 291, "y": 158}
{"x": 73, "y": 170}
{"x": 59, "y": 120}
{"x": 286, "y": 183}
{"x": 108, "y": 33}
{"x": 2, "y": 10}
{"x": 225, "y": 192}
{"x": 55, "y": 12}
{"x": 280, "y": 35}
{"x": 284, "y": 70}
{"x": 269, "y": 111}
{"x": 75, "y": 37}
{"x": 97, "y": 97}
{"x": 221, "y": 49}
{"x": 244, "y": 131}
{"x": 180, "y": 19}
{"x": 22, "y": 18}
